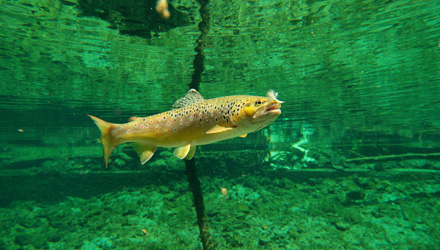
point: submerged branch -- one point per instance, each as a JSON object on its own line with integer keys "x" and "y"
{"x": 392, "y": 157}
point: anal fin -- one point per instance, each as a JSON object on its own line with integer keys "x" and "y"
{"x": 182, "y": 152}
{"x": 144, "y": 151}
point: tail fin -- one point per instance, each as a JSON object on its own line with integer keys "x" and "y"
{"x": 106, "y": 137}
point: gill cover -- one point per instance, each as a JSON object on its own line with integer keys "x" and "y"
{"x": 249, "y": 110}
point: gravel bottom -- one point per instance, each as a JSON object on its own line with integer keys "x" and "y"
{"x": 256, "y": 213}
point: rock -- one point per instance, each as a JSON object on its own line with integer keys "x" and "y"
{"x": 365, "y": 182}
{"x": 262, "y": 242}
{"x": 53, "y": 236}
{"x": 2, "y": 244}
{"x": 355, "y": 195}
{"x": 241, "y": 207}
{"x": 119, "y": 162}
{"x": 22, "y": 239}
{"x": 342, "y": 225}
{"x": 40, "y": 242}
{"x": 436, "y": 165}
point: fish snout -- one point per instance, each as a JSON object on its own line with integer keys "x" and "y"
{"x": 274, "y": 107}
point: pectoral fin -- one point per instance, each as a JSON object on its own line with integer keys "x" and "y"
{"x": 218, "y": 129}
{"x": 145, "y": 152}
{"x": 182, "y": 152}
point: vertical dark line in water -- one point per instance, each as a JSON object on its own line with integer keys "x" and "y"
{"x": 199, "y": 59}
{"x": 202, "y": 219}
{"x": 191, "y": 170}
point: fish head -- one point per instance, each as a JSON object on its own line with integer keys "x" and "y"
{"x": 259, "y": 111}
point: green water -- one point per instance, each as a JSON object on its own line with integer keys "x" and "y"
{"x": 351, "y": 163}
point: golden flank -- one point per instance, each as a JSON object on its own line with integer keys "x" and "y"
{"x": 192, "y": 121}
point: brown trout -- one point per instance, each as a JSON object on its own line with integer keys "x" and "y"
{"x": 192, "y": 121}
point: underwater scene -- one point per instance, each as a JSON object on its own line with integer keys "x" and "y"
{"x": 216, "y": 124}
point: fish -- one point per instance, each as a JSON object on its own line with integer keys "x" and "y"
{"x": 193, "y": 121}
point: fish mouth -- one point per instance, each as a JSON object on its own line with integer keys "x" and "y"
{"x": 273, "y": 108}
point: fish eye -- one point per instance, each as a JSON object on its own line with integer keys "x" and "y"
{"x": 257, "y": 103}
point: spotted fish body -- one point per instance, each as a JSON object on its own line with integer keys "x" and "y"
{"x": 193, "y": 121}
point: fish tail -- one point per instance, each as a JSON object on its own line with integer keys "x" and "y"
{"x": 107, "y": 139}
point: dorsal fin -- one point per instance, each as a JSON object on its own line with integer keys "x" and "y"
{"x": 190, "y": 98}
